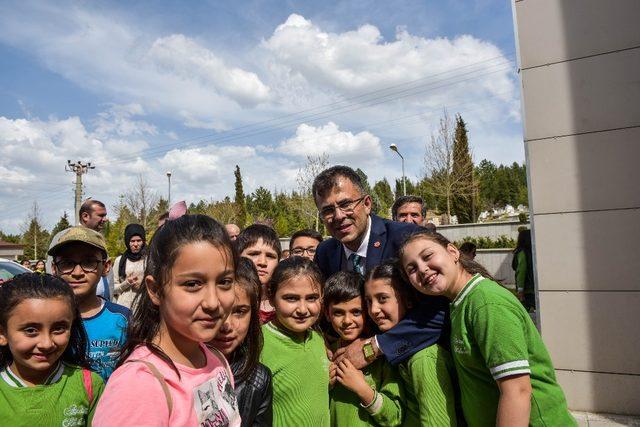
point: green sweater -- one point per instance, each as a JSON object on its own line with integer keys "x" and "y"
{"x": 493, "y": 338}
{"x": 387, "y": 411}
{"x": 62, "y": 400}
{"x": 428, "y": 378}
{"x": 300, "y": 377}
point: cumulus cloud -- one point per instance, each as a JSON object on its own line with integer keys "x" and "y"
{"x": 170, "y": 74}
{"x": 339, "y": 145}
{"x": 361, "y": 60}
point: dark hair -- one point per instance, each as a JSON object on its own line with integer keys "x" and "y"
{"x": 291, "y": 267}
{"x": 468, "y": 248}
{"x": 165, "y": 247}
{"x": 307, "y": 232}
{"x": 249, "y": 351}
{"x": 341, "y": 287}
{"x": 400, "y": 201}
{"x": 44, "y": 286}
{"x": 328, "y": 178}
{"x": 87, "y": 206}
{"x": 524, "y": 240}
{"x": 469, "y": 265}
{"x": 390, "y": 270}
{"x": 250, "y": 236}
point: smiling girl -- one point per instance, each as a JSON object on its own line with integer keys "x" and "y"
{"x": 293, "y": 351}
{"x": 505, "y": 372}
{"x": 166, "y": 376}
{"x": 44, "y": 376}
{"x": 240, "y": 340}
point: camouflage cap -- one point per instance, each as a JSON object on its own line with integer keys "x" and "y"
{"x": 78, "y": 234}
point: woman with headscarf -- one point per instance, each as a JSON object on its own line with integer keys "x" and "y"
{"x": 128, "y": 268}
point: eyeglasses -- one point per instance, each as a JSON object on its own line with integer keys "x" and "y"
{"x": 66, "y": 266}
{"x": 346, "y": 206}
{"x": 301, "y": 251}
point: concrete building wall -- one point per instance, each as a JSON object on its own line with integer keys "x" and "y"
{"x": 580, "y": 75}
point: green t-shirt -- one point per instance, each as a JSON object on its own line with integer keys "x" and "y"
{"x": 493, "y": 337}
{"x": 386, "y": 410}
{"x": 61, "y": 401}
{"x": 428, "y": 378}
{"x": 300, "y": 377}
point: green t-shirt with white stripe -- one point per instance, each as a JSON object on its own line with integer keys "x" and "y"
{"x": 62, "y": 399}
{"x": 493, "y": 337}
{"x": 300, "y": 377}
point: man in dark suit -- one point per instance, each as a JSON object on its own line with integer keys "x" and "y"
{"x": 359, "y": 242}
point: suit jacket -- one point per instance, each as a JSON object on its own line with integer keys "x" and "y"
{"x": 423, "y": 325}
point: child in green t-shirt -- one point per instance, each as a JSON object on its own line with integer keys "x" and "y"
{"x": 371, "y": 397}
{"x": 428, "y": 376}
{"x": 505, "y": 373}
{"x": 293, "y": 350}
{"x": 44, "y": 375}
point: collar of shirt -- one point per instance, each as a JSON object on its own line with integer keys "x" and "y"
{"x": 362, "y": 250}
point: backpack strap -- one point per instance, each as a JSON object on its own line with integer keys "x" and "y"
{"x": 88, "y": 384}
{"x": 160, "y": 378}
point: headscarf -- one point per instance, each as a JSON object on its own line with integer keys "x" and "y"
{"x": 130, "y": 231}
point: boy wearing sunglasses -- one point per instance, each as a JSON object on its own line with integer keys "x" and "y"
{"x": 80, "y": 258}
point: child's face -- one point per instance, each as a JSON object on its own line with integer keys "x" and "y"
{"x": 199, "y": 294}
{"x": 383, "y": 304}
{"x": 37, "y": 334}
{"x": 264, "y": 257}
{"x": 298, "y": 303}
{"x": 347, "y": 318}
{"x": 235, "y": 328}
{"x": 431, "y": 268}
{"x": 82, "y": 282}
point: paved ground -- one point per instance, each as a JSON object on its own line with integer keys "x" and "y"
{"x": 605, "y": 420}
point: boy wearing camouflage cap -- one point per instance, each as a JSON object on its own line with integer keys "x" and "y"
{"x": 80, "y": 258}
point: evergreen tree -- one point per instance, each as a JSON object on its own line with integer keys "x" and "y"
{"x": 62, "y": 224}
{"x": 239, "y": 199}
{"x": 463, "y": 192}
{"x": 384, "y": 195}
{"x": 35, "y": 237}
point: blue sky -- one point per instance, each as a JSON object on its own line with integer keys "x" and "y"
{"x": 140, "y": 88}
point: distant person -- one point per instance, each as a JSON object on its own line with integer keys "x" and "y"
{"x": 129, "y": 267}
{"x": 286, "y": 253}
{"x": 409, "y": 209}
{"x": 93, "y": 214}
{"x": 304, "y": 243}
{"x": 522, "y": 264}
{"x": 468, "y": 249}
{"x": 429, "y": 226}
{"x": 233, "y": 231}
{"x": 26, "y": 263}
{"x": 40, "y": 266}
{"x": 80, "y": 258}
{"x": 261, "y": 245}
{"x": 162, "y": 219}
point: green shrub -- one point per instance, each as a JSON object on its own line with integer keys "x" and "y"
{"x": 501, "y": 242}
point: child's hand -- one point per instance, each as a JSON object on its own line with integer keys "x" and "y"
{"x": 353, "y": 379}
{"x": 332, "y": 374}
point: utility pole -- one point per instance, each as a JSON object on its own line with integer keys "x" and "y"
{"x": 79, "y": 169}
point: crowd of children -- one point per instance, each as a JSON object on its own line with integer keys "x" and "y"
{"x": 227, "y": 334}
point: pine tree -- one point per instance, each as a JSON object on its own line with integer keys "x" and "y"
{"x": 240, "y": 199}
{"x": 463, "y": 200}
{"x": 384, "y": 195}
{"x": 62, "y": 224}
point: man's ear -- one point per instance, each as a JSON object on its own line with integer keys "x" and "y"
{"x": 151, "y": 286}
{"x": 368, "y": 203}
{"x": 106, "y": 267}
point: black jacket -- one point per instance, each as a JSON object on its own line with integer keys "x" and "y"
{"x": 254, "y": 396}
